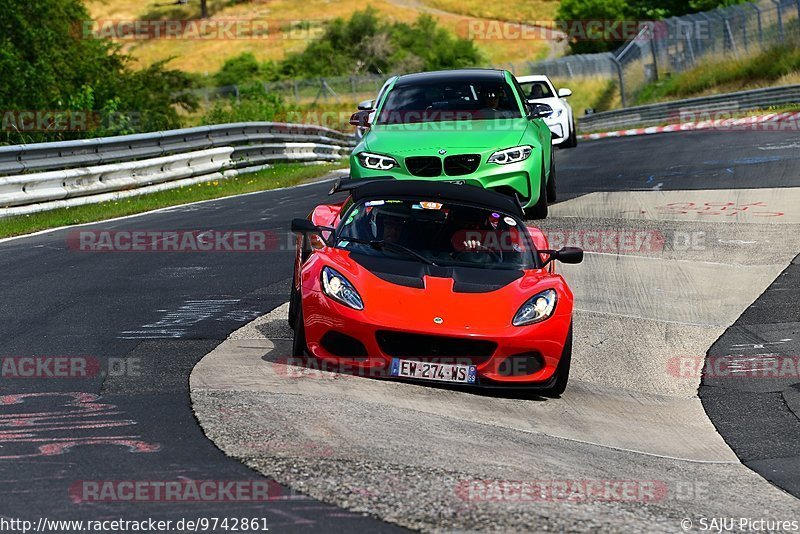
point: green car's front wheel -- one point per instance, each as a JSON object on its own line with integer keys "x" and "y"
{"x": 551, "y": 181}
{"x": 539, "y": 210}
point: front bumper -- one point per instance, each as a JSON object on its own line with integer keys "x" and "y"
{"x": 560, "y": 127}
{"x": 522, "y": 179}
{"x": 542, "y": 343}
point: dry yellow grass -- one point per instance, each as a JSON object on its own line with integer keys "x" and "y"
{"x": 538, "y": 12}
{"x": 208, "y": 55}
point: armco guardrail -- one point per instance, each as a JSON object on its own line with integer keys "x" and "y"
{"x": 44, "y": 176}
{"x": 693, "y": 109}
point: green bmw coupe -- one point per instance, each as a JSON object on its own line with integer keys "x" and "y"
{"x": 469, "y": 126}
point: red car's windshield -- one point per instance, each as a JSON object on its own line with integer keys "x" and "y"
{"x": 446, "y": 234}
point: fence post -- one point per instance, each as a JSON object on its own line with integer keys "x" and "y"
{"x": 743, "y": 18}
{"x": 621, "y": 81}
{"x": 652, "y": 27}
{"x": 726, "y": 30}
{"x": 758, "y": 19}
{"x": 780, "y": 17}
{"x": 296, "y": 91}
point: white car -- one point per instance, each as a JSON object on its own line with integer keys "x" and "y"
{"x": 539, "y": 89}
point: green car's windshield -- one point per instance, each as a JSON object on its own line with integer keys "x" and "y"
{"x": 454, "y": 101}
{"x": 444, "y": 235}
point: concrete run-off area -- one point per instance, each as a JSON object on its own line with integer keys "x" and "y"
{"x": 630, "y": 422}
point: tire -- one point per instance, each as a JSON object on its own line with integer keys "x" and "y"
{"x": 539, "y": 210}
{"x": 572, "y": 141}
{"x": 299, "y": 348}
{"x": 562, "y": 371}
{"x": 293, "y": 298}
{"x": 551, "y": 181}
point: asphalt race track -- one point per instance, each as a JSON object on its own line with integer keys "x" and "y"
{"x": 714, "y": 217}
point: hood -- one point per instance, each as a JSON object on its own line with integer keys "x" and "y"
{"x": 476, "y": 135}
{"x": 468, "y": 300}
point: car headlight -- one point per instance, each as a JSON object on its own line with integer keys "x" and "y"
{"x": 556, "y": 113}
{"x": 536, "y": 309}
{"x": 376, "y": 162}
{"x": 340, "y": 289}
{"x": 511, "y": 155}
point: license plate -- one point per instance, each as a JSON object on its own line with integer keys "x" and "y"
{"x": 443, "y": 372}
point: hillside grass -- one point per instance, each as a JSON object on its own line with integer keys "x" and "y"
{"x": 778, "y": 65}
{"x": 207, "y": 56}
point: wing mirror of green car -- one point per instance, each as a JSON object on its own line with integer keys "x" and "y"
{"x": 540, "y": 111}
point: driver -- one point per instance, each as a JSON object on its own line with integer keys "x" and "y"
{"x": 387, "y": 226}
{"x": 491, "y": 98}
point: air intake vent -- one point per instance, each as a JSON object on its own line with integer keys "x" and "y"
{"x": 426, "y": 166}
{"x": 461, "y": 164}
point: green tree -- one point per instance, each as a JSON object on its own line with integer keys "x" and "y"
{"x": 50, "y": 61}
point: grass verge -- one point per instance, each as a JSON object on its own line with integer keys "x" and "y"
{"x": 281, "y": 175}
{"x": 778, "y": 65}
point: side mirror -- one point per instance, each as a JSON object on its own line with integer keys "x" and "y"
{"x": 565, "y": 255}
{"x": 360, "y": 119}
{"x": 540, "y": 111}
{"x": 366, "y": 105}
{"x": 564, "y": 92}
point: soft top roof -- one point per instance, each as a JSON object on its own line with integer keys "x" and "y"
{"x": 432, "y": 190}
{"x": 457, "y": 75}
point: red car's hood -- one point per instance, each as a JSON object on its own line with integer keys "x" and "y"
{"x": 462, "y": 310}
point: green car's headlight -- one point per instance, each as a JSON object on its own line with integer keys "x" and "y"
{"x": 376, "y": 162}
{"x": 511, "y": 155}
{"x": 340, "y": 289}
{"x": 536, "y": 309}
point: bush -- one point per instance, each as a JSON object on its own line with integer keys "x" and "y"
{"x": 244, "y": 69}
{"x": 365, "y": 44}
{"x": 253, "y": 104}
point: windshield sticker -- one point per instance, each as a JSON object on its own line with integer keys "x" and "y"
{"x": 509, "y": 221}
{"x": 430, "y": 205}
{"x": 352, "y": 216}
{"x": 375, "y": 203}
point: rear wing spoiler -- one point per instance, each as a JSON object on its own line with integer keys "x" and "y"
{"x": 348, "y": 184}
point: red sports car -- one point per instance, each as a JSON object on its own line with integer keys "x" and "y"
{"x": 432, "y": 281}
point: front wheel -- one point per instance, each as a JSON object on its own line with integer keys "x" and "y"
{"x": 299, "y": 339}
{"x": 572, "y": 141}
{"x": 539, "y": 210}
{"x": 551, "y": 182}
{"x": 294, "y": 296}
{"x": 562, "y": 371}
